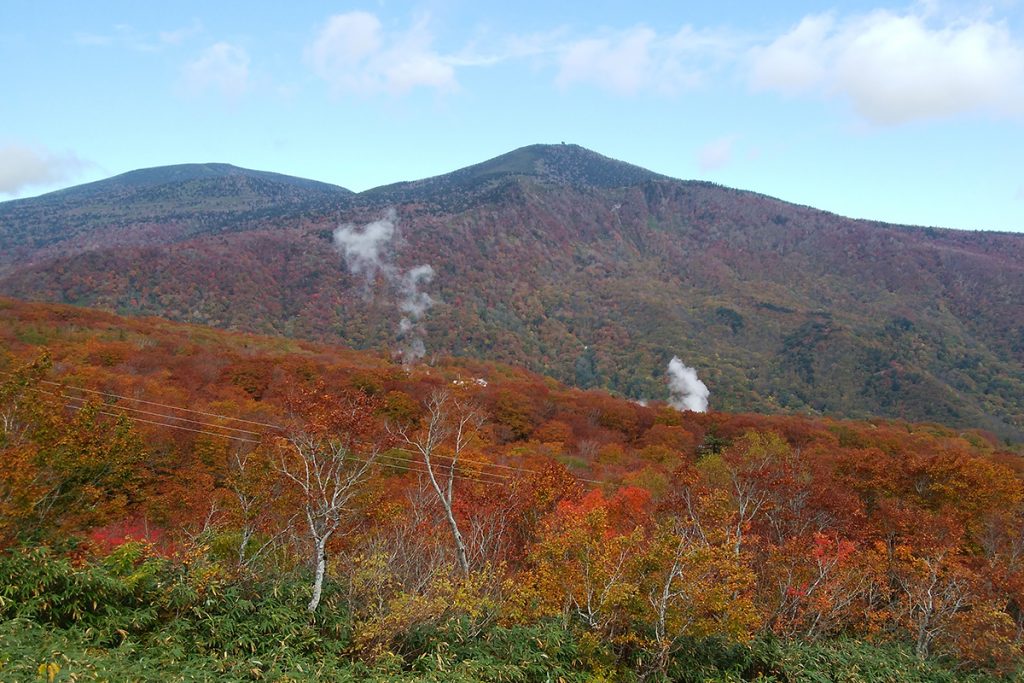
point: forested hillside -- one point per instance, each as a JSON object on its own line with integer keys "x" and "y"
{"x": 153, "y": 206}
{"x": 184, "y": 503}
{"x": 586, "y": 269}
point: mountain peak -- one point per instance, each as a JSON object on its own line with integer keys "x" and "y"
{"x": 564, "y": 163}
{"x": 559, "y": 164}
{"x": 183, "y": 200}
{"x": 146, "y": 178}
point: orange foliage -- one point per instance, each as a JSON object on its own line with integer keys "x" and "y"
{"x": 813, "y": 526}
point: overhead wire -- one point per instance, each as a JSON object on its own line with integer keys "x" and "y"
{"x": 170, "y": 426}
{"x": 228, "y": 417}
{"x": 483, "y": 463}
{"x": 395, "y": 462}
{"x": 383, "y": 459}
{"x": 495, "y": 477}
{"x": 153, "y": 403}
{"x": 420, "y": 467}
{"x": 154, "y": 414}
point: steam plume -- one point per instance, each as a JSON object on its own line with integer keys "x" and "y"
{"x": 687, "y": 392}
{"x": 363, "y": 247}
{"x": 367, "y": 252}
{"x": 414, "y": 304}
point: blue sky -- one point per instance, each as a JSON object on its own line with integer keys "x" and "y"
{"x": 910, "y": 113}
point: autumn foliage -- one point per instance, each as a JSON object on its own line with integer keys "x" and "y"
{"x": 641, "y": 531}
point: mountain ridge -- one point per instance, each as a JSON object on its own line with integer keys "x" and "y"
{"x": 152, "y": 206}
{"x": 512, "y": 164}
{"x": 172, "y": 173}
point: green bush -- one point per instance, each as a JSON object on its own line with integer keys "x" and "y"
{"x": 132, "y": 616}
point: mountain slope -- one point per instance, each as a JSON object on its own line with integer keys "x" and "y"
{"x": 597, "y": 272}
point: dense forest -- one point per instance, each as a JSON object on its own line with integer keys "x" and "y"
{"x": 182, "y": 503}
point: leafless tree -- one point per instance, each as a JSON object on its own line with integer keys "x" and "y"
{"x": 440, "y": 441}
{"x": 328, "y": 473}
{"x": 249, "y": 482}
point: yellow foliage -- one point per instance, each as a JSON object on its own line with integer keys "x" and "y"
{"x": 444, "y": 598}
{"x": 49, "y": 671}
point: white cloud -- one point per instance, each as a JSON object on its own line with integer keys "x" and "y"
{"x": 638, "y": 59}
{"x": 88, "y": 39}
{"x": 716, "y": 154}
{"x": 222, "y": 67}
{"x": 127, "y": 36}
{"x": 180, "y": 35}
{"x": 622, "y": 64}
{"x": 489, "y": 50}
{"x": 353, "y": 53}
{"x": 895, "y": 68}
{"x": 23, "y": 166}
{"x": 794, "y": 62}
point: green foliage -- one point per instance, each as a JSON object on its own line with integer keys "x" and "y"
{"x": 122, "y": 594}
{"x": 541, "y": 652}
{"x": 851, "y": 661}
{"x": 133, "y": 616}
{"x": 141, "y": 615}
{"x": 770, "y": 660}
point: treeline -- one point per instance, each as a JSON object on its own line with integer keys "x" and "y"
{"x": 178, "y": 503}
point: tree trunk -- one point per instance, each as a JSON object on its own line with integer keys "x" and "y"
{"x": 243, "y": 545}
{"x": 460, "y": 545}
{"x": 318, "y": 577}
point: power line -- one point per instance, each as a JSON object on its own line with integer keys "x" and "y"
{"x": 395, "y": 461}
{"x": 153, "y": 403}
{"x": 273, "y": 426}
{"x": 494, "y": 478}
{"x": 153, "y": 414}
{"x": 164, "y": 424}
{"x": 416, "y": 457}
{"x": 490, "y": 464}
{"x": 421, "y": 469}
{"x": 482, "y": 464}
{"x": 415, "y": 460}
{"x": 68, "y": 397}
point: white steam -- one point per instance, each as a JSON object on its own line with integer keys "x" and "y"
{"x": 367, "y": 252}
{"x": 686, "y": 391}
{"x": 363, "y": 248}
{"x": 414, "y": 304}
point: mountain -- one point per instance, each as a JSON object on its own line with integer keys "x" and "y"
{"x": 562, "y": 165}
{"x": 153, "y": 206}
{"x": 590, "y": 270}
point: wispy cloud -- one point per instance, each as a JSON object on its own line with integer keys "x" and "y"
{"x": 23, "y": 166}
{"x": 716, "y": 154}
{"x": 892, "y": 67}
{"x": 222, "y": 68}
{"x": 638, "y": 59}
{"x": 354, "y": 53}
{"x": 180, "y": 35}
{"x": 128, "y": 37}
{"x": 898, "y": 67}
